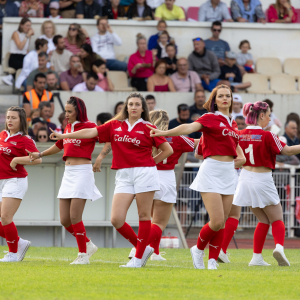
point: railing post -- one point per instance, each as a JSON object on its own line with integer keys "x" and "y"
{"x": 291, "y": 222}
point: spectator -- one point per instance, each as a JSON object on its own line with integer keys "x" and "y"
{"x": 163, "y": 40}
{"x": 42, "y": 135}
{"x": 67, "y": 8}
{"x": 90, "y": 85}
{"x": 32, "y": 99}
{"x": 185, "y": 80}
{"x": 42, "y": 58}
{"x": 244, "y": 59}
{"x": 63, "y": 123}
{"x": 31, "y": 9}
{"x": 231, "y": 72}
{"x": 99, "y": 67}
{"x": 140, "y": 10}
{"x": 183, "y": 118}
{"x": 31, "y": 62}
{"x": 215, "y": 44}
{"x": 159, "y": 81}
{"x": 76, "y": 37}
{"x": 161, "y": 26}
{"x": 274, "y": 119}
{"x": 151, "y": 102}
{"x": 88, "y": 9}
{"x": 103, "y": 118}
{"x": 247, "y": 11}
{"x": 87, "y": 57}
{"x": 171, "y": 59}
{"x": 45, "y": 109}
{"x": 54, "y": 10}
{"x": 197, "y": 107}
{"x": 154, "y": 4}
{"x": 35, "y": 113}
{"x": 195, "y": 117}
{"x": 295, "y": 117}
{"x": 169, "y": 11}
{"x": 205, "y": 63}
{"x": 141, "y": 64}
{"x": 48, "y": 32}
{"x": 73, "y": 76}
{"x": 52, "y": 81}
{"x": 291, "y": 131}
{"x": 240, "y": 121}
{"x": 214, "y": 10}
{"x": 37, "y": 123}
{"x": 19, "y": 45}
{"x": 118, "y": 107}
{"x": 60, "y": 58}
{"x": 237, "y": 106}
{"x": 282, "y": 12}
{"x": 113, "y": 10}
{"x": 103, "y": 44}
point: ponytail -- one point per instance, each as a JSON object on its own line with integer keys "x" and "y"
{"x": 251, "y": 111}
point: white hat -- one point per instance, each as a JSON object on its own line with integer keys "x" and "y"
{"x": 54, "y": 5}
{"x": 237, "y": 98}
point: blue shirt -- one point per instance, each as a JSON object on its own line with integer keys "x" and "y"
{"x": 217, "y": 47}
{"x": 10, "y": 10}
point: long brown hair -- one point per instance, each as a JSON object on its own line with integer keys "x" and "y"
{"x": 80, "y": 37}
{"x": 277, "y": 6}
{"x": 22, "y": 22}
{"x": 123, "y": 114}
{"x": 211, "y": 105}
{"x": 22, "y": 116}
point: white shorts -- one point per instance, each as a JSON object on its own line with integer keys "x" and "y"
{"x": 256, "y": 190}
{"x": 79, "y": 182}
{"x": 215, "y": 177}
{"x": 13, "y": 188}
{"x": 167, "y": 192}
{"x": 136, "y": 180}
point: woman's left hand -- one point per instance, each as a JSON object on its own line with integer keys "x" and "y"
{"x": 55, "y": 136}
{"x": 155, "y": 132}
{"x": 13, "y": 164}
{"x": 97, "y": 165}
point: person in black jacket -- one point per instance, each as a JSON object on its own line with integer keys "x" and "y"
{"x": 140, "y": 10}
{"x": 231, "y": 72}
{"x": 113, "y": 10}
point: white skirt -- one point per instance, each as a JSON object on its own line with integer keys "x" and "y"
{"x": 215, "y": 177}
{"x": 256, "y": 190}
{"x": 167, "y": 182}
{"x": 79, "y": 182}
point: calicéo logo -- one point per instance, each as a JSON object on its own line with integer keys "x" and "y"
{"x": 72, "y": 141}
{"x": 127, "y": 139}
{"x": 5, "y": 150}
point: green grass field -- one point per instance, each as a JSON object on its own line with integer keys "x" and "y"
{"x": 46, "y": 273}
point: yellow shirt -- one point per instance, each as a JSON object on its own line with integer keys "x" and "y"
{"x": 175, "y": 14}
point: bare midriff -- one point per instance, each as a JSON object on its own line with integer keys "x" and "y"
{"x": 257, "y": 169}
{"x": 74, "y": 161}
{"x": 225, "y": 158}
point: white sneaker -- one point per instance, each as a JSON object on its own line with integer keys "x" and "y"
{"x": 279, "y": 255}
{"x": 10, "y": 257}
{"x": 133, "y": 263}
{"x": 197, "y": 256}
{"x": 155, "y": 256}
{"x": 82, "y": 259}
{"x": 147, "y": 253}
{"x": 212, "y": 264}
{"x": 132, "y": 253}
{"x": 91, "y": 248}
{"x": 258, "y": 260}
{"x": 23, "y": 246}
{"x": 9, "y": 79}
{"x": 223, "y": 257}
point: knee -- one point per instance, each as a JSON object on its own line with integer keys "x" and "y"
{"x": 216, "y": 225}
{"x": 76, "y": 218}
{"x": 144, "y": 216}
{"x": 5, "y": 219}
{"x": 65, "y": 222}
{"x": 117, "y": 222}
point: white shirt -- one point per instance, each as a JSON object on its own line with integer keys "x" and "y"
{"x": 239, "y": 114}
{"x": 30, "y": 63}
{"x": 104, "y": 44}
{"x": 81, "y": 87}
{"x": 51, "y": 45}
{"x": 13, "y": 47}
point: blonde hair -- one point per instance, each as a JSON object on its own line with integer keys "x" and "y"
{"x": 139, "y": 37}
{"x": 46, "y": 23}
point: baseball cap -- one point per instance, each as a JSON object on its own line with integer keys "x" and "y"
{"x": 237, "y": 98}
{"x": 54, "y": 5}
{"x": 38, "y": 120}
{"x": 230, "y": 54}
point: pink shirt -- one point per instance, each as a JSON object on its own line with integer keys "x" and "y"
{"x": 136, "y": 58}
{"x": 103, "y": 82}
{"x": 73, "y": 47}
{"x": 273, "y": 16}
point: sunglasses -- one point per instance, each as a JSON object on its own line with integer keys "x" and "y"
{"x": 197, "y": 39}
{"x": 72, "y": 29}
{"x": 42, "y": 136}
{"x": 217, "y": 30}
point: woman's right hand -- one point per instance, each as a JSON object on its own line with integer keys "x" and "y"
{"x": 55, "y": 136}
{"x": 139, "y": 65}
{"x": 155, "y": 132}
{"x": 30, "y": 32}
{"x": 97, "y": 165}
{"x": 33, "y": 155}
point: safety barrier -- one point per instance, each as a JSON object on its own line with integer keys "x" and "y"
{"x": 192, "y": 213}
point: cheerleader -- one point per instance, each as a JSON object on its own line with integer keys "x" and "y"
{"x": 256, "y": 187}
{"x": 78, "y": 183}
{"x": 13, "y": 179}
{"x": 166, "y": 196}
{"x": 216, "y": 177}
{"x": 136, "y": 169}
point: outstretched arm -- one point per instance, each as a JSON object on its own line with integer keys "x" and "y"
{"x": 37, "y": 155}
{"x": 23, "y": 160}
{"x": 183, "y": 129}
{"x": 97, "y": 165}
{"x": 80, "y": 134}
{"x": 290, "y": 150}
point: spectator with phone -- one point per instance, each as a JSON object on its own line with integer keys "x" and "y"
{"x": 88, "y": 57}
{"x": 99, "y": 67}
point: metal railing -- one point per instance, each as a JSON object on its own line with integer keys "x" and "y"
{"x": 191, "y": 210}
